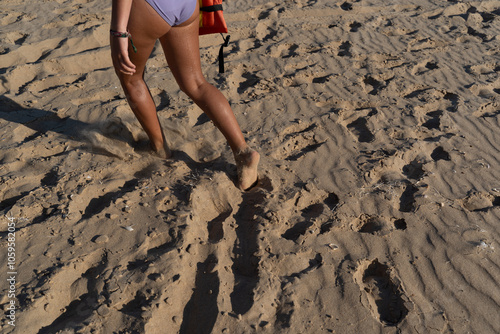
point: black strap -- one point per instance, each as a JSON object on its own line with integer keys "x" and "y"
{"x": 221, "y": 52}
{"x": 213, "y": 8}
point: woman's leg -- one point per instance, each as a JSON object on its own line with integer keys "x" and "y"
{"x": 181, "y": 47}
{"x": 145, "y": 26}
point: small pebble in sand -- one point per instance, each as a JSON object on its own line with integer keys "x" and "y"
{"x": 483, "y": 245}
{"x": 101, "y": 239}
{"x": 333, "y": 246}
{"x": 103, "y": 310}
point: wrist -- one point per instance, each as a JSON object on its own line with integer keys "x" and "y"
{"x": 124, "y": 34}
{"x": 118, "y": 27}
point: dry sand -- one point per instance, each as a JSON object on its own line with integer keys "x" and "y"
{"x": 378, "y": 211}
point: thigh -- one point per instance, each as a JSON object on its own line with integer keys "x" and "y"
{"x": 146, "y": 26}
{"x": 182, "y": 51}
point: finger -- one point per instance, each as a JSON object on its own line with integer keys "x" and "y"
{"x": 126, "y": 62}
{"x": 120, "y": 55}
{"x": 126, "y": 66}
{"x": 128, "y": 72}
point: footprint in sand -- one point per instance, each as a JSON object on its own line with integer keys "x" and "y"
{"x": 345, "y": 49}
{"x": 490, "y": 109}
{"x": 312, "y": 207}
{"x": 371, "y": 224}
{"x": 377, "y": 225}
{"x": 434, "y": 120}
{"x": 356, "y": 121}
{"x": 354, "y": 26}
{"x": 415, "y": 169}
{"x": 488, "y": 91}
{"x": 424, "y": 67}
{"x": 359, "y": 127}
{"x": 297, "y": 230}
{"x": 439, "y": 153}
{"x": 483, "y": 69}
{"x": 286, "y": 306}
{"x": 382, "y": 295}
{"x": 407, "y": 199}
{"x": 346, "y": 6}
{"x": 479, "y": 201}
{"x": 373, "y": 86}
{"x": 297, "y": 141}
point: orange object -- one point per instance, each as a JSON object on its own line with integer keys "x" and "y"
{"x": 211, "y": 19}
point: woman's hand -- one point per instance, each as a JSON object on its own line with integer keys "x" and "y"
{"x": 120, "y": 55}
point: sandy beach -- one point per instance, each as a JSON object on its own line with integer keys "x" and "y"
{"x": 378, "y": 204}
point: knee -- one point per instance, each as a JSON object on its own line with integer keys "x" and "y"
{"x": 131, "y": 83}
{"x": 194, "y": 88}
{"x": 135, "y": 88}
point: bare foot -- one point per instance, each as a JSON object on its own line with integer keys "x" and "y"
{"x": 247, "y": 161}
{"x": 162, "y": 151}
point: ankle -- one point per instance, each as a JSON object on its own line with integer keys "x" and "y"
{"x": 242, "y": 150}
{"x": 156, "y": 146}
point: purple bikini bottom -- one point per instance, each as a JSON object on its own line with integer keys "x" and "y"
{"x": 174, "y": 12}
